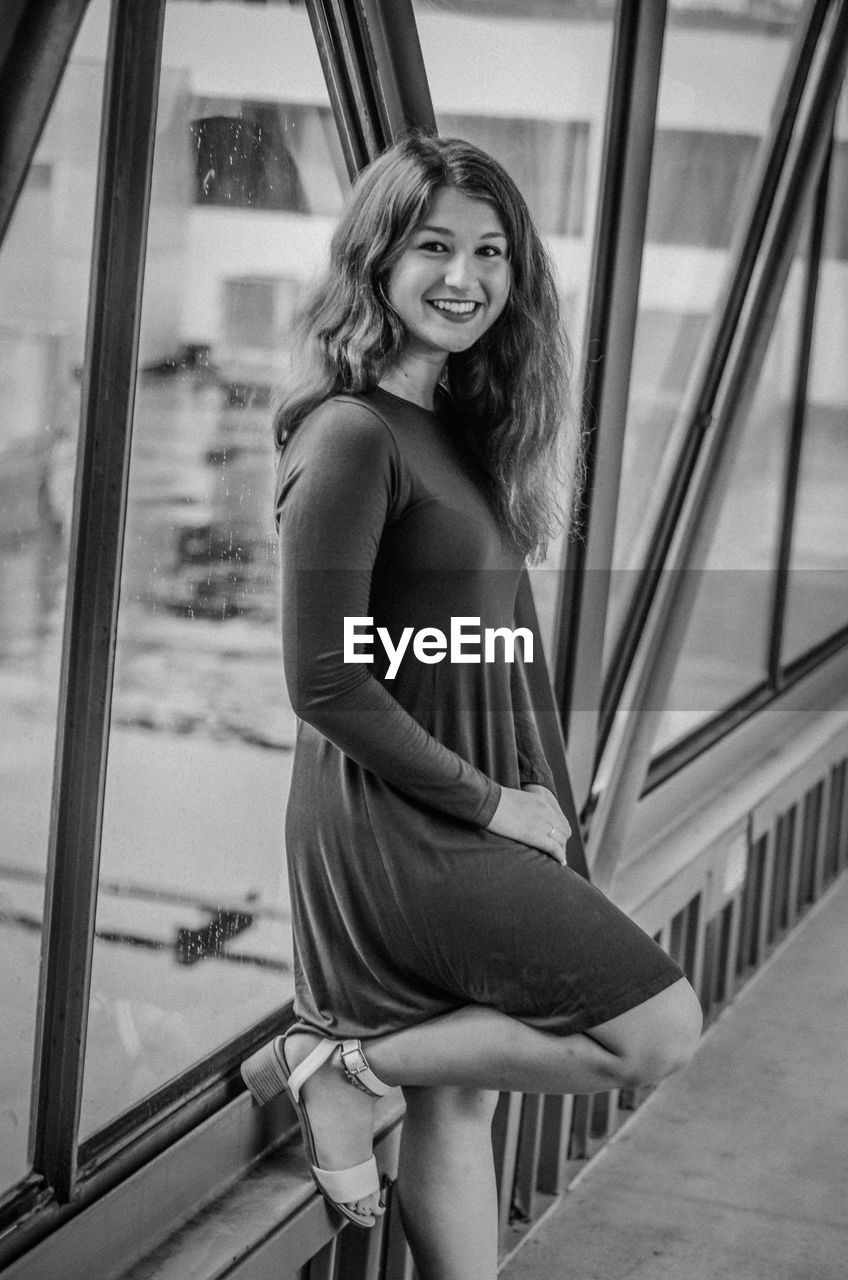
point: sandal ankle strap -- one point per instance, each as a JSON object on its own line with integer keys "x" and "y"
{"x": 357, "y": 1070}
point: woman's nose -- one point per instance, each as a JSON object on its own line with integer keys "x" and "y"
{"x": 458, "y": 273}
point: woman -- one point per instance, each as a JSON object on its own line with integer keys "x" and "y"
{"x": 433, "y": 911}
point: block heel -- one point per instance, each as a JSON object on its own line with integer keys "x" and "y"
{"x": 263, "y": 1072}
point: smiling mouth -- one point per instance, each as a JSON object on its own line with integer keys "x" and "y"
{"x": 453, "y": 307}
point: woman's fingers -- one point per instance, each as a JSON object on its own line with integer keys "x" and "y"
{"x": 530, "y": 817}
{"x": 555, "y": 842}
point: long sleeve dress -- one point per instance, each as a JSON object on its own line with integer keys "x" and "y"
{"x": 403, "y": 905}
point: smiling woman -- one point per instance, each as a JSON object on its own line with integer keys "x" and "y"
{"x": 449, "y": 285}
{"x": 433, "y": 912}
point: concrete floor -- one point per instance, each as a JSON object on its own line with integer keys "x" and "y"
{"x": 737, "y": 1168}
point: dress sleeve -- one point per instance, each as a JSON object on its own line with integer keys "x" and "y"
{"x": 532, "y": 765}
{"x": 339, "y": 482}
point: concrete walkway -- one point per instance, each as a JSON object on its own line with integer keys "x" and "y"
{"x": 737, "y": 1168}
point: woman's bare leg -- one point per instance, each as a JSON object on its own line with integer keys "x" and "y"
{"x": 478, "y": 1047}
{"x": 446, "y": 1183}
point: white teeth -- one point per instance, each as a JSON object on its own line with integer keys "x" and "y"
{"x": 457, "y": 308}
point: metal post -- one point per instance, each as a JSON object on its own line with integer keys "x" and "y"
{"x": 124, "y": 176}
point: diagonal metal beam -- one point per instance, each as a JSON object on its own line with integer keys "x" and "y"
{"x": 371, "y": 58}
{"x": 124, "y": 177}
{"x": 36, "y": 38}
{"x": 393, "y": 51}
{"x": 625, "y": 762}
{"x": 361, "y": 126}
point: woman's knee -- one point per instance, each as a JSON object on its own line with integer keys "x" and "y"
{"x": 656, "y": 1038}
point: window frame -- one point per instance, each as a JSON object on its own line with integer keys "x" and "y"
{"x": 374, "y": 70}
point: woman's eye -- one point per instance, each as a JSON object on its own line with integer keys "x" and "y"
{"x": 433, "y": 246}
{"x": 490, "y": 251}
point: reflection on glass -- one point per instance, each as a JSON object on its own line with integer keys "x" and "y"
{"x": 193, "y": 936}
{"x": 720, "y": 72}
{"x": 44, "y": 268}
{"x": 527, "y": 81}
{"x": 817, "y": 601}
{"x": 725, "y": 650}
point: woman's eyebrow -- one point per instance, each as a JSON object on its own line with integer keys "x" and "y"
{"x": 446, "y": 231}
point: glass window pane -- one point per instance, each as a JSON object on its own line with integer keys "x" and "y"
{"x": 725, "y": 650}
{"x": 193, "y": 935}
{"x": 45, "y": 261}
{"x": 720, "y": 73}
{"x": 527, "y": 81}
{"x": 817, "y": 602}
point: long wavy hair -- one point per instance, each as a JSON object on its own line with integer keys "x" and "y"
{"x": 511, "y": 389}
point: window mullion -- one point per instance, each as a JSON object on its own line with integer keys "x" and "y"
{"x": 396, "y": 65}
{"x": 607, "y": 357}
{"x": 362, "y": 132}
{"x": 796, "y": 429}
{"x": 124, "y": 174}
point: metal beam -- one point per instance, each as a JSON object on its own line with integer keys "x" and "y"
{"x": 606, "y": 361}
{"x": 796, "y": 433}
{"x": 625, "y": 763}
{"x": 548, "y": 723}
{"x": 36, "y": 39}
{"x": 124, "y": 177}
{"x": 356, "y": 107}
{"x": 397, "y": 65}
{"x": 693, "y": 420}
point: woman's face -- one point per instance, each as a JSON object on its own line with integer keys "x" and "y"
{"x": 452, "y": 280}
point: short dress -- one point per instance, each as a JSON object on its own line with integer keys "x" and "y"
{"x": 404, "y": 906}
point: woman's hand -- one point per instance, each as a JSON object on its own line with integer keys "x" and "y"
{"x": 532, "y": 816}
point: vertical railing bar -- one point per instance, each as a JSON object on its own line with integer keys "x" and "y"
{"x": 842, "y": 838}
{"x": 762, "y": 909}
{"x": 732, "y": 980}
{"x": 527, "y": 1163}
{"x": 505, "y": 1132}
{"x": 796, "y": 858}
{"x": 797, "y": 423}
{"x": 820, "y": 849}
{"x": 553, "y": 1150}
{"x": 124, "y": 177}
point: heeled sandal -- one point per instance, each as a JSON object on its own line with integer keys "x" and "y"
{"x": 267, "y": 1074}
